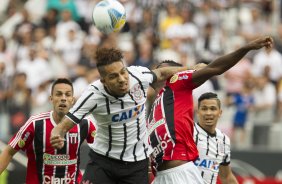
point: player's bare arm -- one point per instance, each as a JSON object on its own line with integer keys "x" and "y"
{"x": 165, "y": 72}
{"x": 6, "y": 157}
{"x": 224, "y": 63}
{"x": 58, "y": 133}
{"x": 226, "y": 175}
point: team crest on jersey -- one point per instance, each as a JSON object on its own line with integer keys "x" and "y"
{"x": 93, "y": 133}
{"x": 73, "y": 138}
{"x": 136, "y": 92}
{"x": 173, "y": 79}
{"x": 22, "y": 141}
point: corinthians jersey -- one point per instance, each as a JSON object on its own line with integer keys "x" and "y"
{"x": 121, "y": 126}
{"x": 214, "y": 150}
{"x": 45, "y": 164}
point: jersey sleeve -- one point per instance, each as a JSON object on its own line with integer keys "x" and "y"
{"x": 24, "y": 137}
{"x": 85, "y": 104}
{"x": 182, "y": 80}
{"x": 227, "y": 156}
{"x": 145, "y": 74}
{"x": 91, "y": 131}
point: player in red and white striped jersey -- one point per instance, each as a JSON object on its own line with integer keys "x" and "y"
{"x": 171, "y": 125}
{"x": 46, "y": 164}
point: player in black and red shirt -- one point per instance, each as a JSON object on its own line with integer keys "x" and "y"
{"x": 46, "y": 164}
{"x": 170, "y": 123}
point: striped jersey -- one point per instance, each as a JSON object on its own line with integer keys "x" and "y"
{"x": 170, "y": 123}
{"x": 121, "y": 126}
{"x": 46, "y": 164}
{"x": 214, "y": 150}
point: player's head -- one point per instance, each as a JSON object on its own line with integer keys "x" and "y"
{"x": 113, "y": 72}
{"x": 209, "y": 110}
{"x": 166, "y": 63}
{"x": 62, "y": 96}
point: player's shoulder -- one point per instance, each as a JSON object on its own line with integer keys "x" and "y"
{"x": 40, "y": 116}
{"x": 221, "y": 135}
{"x": 137, "y": 69}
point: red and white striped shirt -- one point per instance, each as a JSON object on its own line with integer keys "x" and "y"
{"x": 46, "y": 164}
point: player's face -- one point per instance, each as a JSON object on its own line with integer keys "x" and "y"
{"x": 62, "y": 98}
{"x": 116, "y": 79}
{"x": 208, "y": 113}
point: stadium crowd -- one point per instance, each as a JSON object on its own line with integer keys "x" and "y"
{"x": 43, "y": 40}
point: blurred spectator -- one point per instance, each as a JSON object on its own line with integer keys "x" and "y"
{"x": 63, "y": 5}
{"x": 6, "y": 57}
{"x": 265, "y": 103}
{"x": 268, "y": 62}
{"x": 19, "y": 102}
{"x": 209, "y": 45}
{"x": 36, "y": 67}
{"x": 50, "y": 19}
{"x": 244, "y": 102}
{"x": 171, "y": 18}
{"x": 236, "y": 76}
{"x": 145, "y": 54}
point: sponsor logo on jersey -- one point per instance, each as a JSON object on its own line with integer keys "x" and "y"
{"x": 132, "y": 113}
{"x": 22, "y": 141}
{"x": 153, "y": 125}
{"x": 206, "y": 163}
{"x": 64, "y": 160}
{"x": 136, "y": 92}
{"x": 173, "y": 79}
{"x": 52, "y": 179}
{"x": 164, "y": 142}
{"x": 183, "y": 77}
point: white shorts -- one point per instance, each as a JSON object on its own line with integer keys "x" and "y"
{"x": 184, "y": 174}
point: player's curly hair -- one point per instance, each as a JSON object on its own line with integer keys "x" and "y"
{"x": 107, "y": 56}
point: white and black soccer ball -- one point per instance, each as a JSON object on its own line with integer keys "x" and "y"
{"x": 109, "y": 16}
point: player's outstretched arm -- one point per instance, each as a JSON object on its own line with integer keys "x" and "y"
{"x": 224, "y": 63}
{"x": 165, "y": 72}
{"x": 226, "y": 175}
{"x": 57, "y": 135}
{"x": 6, "y": 157}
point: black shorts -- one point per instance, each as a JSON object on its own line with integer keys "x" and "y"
{"x": 104, "y": 170}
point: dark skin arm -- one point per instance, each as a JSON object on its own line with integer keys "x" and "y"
{"x": 224, "y": 63}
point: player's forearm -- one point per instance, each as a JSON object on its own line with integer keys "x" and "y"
{"x": 5, "y": 158}
{"x": 65, "y": 126}
{"x": 166, "y": 72}
{"x": 230, "y": 180}
{"x": 223, "y": 63}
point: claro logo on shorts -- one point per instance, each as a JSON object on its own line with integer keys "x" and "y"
{"x": 54, "y": 180}
{"x": 62, "y": 160}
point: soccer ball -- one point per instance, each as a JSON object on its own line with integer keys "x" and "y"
{"x": 109, "y": 16}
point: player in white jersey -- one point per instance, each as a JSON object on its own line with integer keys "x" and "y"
{"x": 212, "y": 144}
{"x": 117, "y": 101}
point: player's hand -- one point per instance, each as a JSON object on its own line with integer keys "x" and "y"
{"x": 265, "y": 41}
{"x": 57, "y": 141}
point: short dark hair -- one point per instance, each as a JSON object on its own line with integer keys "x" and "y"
{"x": 209, "y": 95}
{"x": 61, "y": 81}
{"x": 107, "y": 56}
{"x": 169, "y": 63}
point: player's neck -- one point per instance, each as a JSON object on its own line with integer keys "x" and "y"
{"x": 57, "y": 118}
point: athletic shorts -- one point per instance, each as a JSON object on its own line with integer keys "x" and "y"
{"x": 105, "y": 170}
{"x": 184, "y": 174}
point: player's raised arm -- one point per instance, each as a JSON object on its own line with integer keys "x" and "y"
{"x": 164, "y": 73}
{"x": 224, "y": 63}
